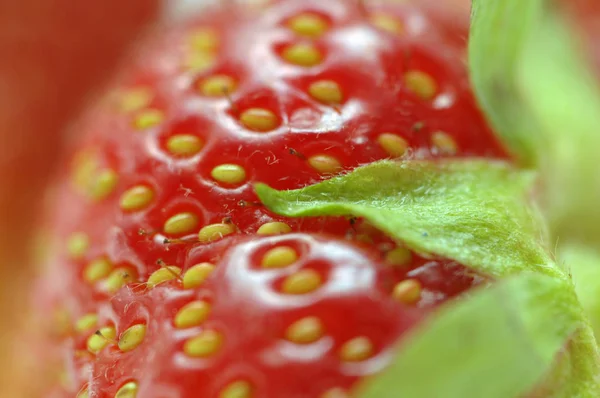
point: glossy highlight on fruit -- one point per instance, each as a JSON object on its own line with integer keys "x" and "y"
{"x": 170, "y": 276}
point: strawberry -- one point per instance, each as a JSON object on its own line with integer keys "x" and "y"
{"x": 172, "y": 280}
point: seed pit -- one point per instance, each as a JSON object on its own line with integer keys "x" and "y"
{"x": 302, "y": 54}
{"x": 206, "y": 344}
{"x": 357, "y": 349}
{"x": 259, "y": 119}
{"x": 305, "y": 331}
{"x": 197, "y": 274}
{"x": 229, "y": 174}
{"x": 192, "y": 314}
{"x": 308, "y": 24}
{"x": 302, "y": 282}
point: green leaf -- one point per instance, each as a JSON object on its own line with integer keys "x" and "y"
{"x": 476, "y": 212}
{"x": 499, "y": 30}
{"x": 575, "y": 374}
{"x": 583, "y": 263}
{"x": 496, "y": 344}
{"x": 472, "y": 211}
{"x": 536, "y": 87}
{"x": 535, "y": 84}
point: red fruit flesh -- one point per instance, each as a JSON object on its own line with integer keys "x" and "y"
{"x": 131, "y": 177}
{"x": 252, "y": 313}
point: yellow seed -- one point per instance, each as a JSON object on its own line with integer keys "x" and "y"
{"x": 129, "y": 390}
{"x": 184, "y": 145}
{"x": 237, "y": 389}
{"x": 203, "y": 40}
{"x": 335, "y": 392}
{"x": 86, "y": 322}
{"x": 444, "y": 143}
{"x": 199, "y": 62}
{"x": 421, "y": 84}
{"x": 367, "y": 228}
{"x": 408, "y": 291}
{"x": 135, "y": 99}
{"x": 132, "y": 337}
{"x": 119, "y": 278}
{"x": 325, "y": 164}
{"x": 148, "y": 118}
{"x": 302, "y": 55}
{"x": 398, "y": 257}
{"x": 162, "y": 275}
{"x": 387, "y": 23}
{"x": 394, "y": 145}
{"x": 364, "y": 238}
{"x": 309, "y": 25}
{"x": 205, "y": 344}
{"x": 357, "y": 349}
{"x": 213, "y": 232}
{"x": 279, "y": 257}
{"x": 83, "y": 393}
{"x": 42, "y": 247}
{"x": 181, "y": 223}
{"x": 136, "y": 198}
{"x": 61, "y": 325}
{"x": 97, "y": 341}
{"x": 64, "y": 379}
{"x": 217, "y": 86}
{"x": 77, "y": 245}
{"x": 196, "y": 275}
{"x": 259, "y": 119}
{"x": 232, "y": 174}
{"x": 85, "y": 166}
{"x": 326, "y": 91}
{"x": 302, "y": 282}
{"x": 274, "y": 228}
{"x": 192, "y": 314}
{"x": 305, "y": 331}
{"x": 103, "y": 184}
{"x": 97, "y": 269}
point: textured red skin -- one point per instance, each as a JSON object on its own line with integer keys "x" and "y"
{"x": 253, "y": 316}
{"x": 369, "y": 65}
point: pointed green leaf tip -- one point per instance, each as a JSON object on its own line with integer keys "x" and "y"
{"x": 497, "y": 344}
{"x": 465, "y": 210}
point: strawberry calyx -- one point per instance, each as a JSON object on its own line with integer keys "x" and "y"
{"x": 542, "y": 96}
{"x": 536, "y": 77}
{"x": 498, "y": 343}
{"x": 467, "y": 210}
{"x": 476, "y": 212}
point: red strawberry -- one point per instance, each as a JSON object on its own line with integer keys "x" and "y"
{"x": 162, "y": 181}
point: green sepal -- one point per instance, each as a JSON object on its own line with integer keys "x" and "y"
{"x": 475, "y": 212}
{"x": 583, "y": 264}
{"x": 541, "y": 95}
{"x": 538, "y": 89}
{"x": 469, "y": 211}
{"x": 498, "y": 343}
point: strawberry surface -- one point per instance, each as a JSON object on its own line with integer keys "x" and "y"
{"x": 172, "y": 280}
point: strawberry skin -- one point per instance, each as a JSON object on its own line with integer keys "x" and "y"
{"x": 161, "y": 181}
{"x": 253, "y": 327}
